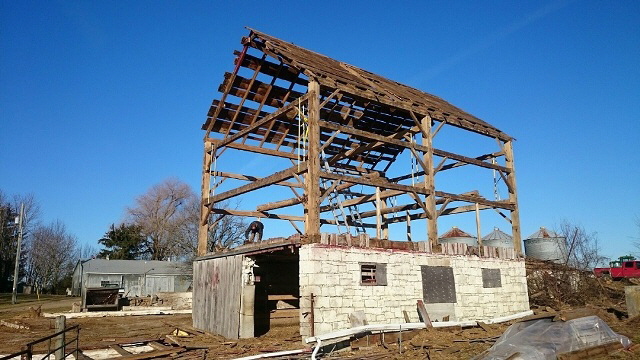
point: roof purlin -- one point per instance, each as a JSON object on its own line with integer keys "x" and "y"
{"x": 358, "y": 82}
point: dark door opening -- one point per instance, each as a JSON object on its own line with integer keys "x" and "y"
{"x": 277, "y": 291}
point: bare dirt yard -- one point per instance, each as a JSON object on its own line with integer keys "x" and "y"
{"x": 435, "y": 344}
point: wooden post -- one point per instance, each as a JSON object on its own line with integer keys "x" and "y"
{"x": 513, "y": 197}
{"x": 409, "y": 238}
{"x": 429, "y": 182}
{"x": 385, "y": 224}
{"x": 378, "y": 214}
{"x": 61, "y": 324}
{"x": 203, "y": 228}
{"x": 478, "y": 229}
{"x": 312, "y": 180}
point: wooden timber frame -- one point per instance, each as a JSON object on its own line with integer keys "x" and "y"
{"x": 356, "y": 123}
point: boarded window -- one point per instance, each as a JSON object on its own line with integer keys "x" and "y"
{"x": 438, "y": 284}
{"x": 108, "y": 284}
{"x": 491, "y": 278}
{"x": 373, "y": 274}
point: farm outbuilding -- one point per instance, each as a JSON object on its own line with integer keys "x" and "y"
{"x": 136, "y": 277}
{"x": 344, "y": 137}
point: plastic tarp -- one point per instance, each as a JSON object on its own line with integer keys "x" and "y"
{"x": 545, "y": 339}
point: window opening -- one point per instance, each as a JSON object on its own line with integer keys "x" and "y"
{"x": 373, "y": 274}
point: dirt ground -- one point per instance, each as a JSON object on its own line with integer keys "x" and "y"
{"x": 435, "y": 344}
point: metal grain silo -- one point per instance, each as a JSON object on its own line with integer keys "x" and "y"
{"x": 498, "y": 238}
{"x": 456, "y": 235}
{"x": 546, "y": 245}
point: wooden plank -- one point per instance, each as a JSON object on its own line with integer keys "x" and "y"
{"x": 422, "y": 310}
{"x": 119, "y": 349}
{"x": 156, "y": 345}
{"x": 153, "y": 354}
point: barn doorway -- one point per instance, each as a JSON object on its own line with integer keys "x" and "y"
{"x": 277, "y": 290}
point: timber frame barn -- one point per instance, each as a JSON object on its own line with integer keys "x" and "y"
{"x": 341, "y": 126}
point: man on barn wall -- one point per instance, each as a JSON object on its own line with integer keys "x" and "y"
{"x": 255, "y": 228}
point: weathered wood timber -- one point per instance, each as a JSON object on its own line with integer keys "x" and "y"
{"x": 341, "y": 126}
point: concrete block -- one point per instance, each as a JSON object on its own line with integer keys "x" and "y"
{"x": 370, "y": 303}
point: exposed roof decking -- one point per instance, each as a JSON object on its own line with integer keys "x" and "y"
{"x": 365, "y": 102}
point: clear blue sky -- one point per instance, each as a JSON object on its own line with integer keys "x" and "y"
{"x": 101, "y": 100}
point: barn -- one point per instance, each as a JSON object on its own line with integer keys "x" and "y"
{"x": 360, "y": 156}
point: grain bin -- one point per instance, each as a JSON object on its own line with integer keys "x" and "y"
{"x": 546, "y": 245}
{"x": 498, "y": 238}
{"x": 456, "y": 235}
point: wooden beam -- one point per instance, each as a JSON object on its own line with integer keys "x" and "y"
{"x": 378, "y": 214}
{"x": 408, "y": 217}
{"x": 406, "y": 144}
{"x": 476, "y": 199}
{"x": 260, "y": 183}
{"x": 513, "y": 197}
{"x": 429, "y": 181}
{"x": 254, "y": 178}
{"x": 254, "y": 149}
{"x": 278, "y": 204}
{"x": 374, "y": 182}
{"x": 271, "y": 117}
{"x": 203, "y": 226}
{"x": 312, "y": 179}
{"x": 448, "y": 211}
{"x": 259, "y": 214}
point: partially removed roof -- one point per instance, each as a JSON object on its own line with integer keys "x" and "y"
{"x": 356, "y": 81}
{"x": 271, "y": 74}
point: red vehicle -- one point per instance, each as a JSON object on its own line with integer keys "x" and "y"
{"x": 625, "y": 267}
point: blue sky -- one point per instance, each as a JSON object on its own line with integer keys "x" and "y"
{"x": 101, "y": 100}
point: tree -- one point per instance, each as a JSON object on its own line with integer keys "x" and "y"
{"x": 163, "y": 214}
{"x": 226, "y": 232}
{"x": 582, "y": 247}
{"x": 125, "y": 242}
{"x": 51, "y": 256}
{"x": 9, "y": 211}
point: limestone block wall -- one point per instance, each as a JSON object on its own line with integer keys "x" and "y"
{"x": 333, "y": 275}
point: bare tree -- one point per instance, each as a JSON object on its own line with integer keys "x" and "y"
{"x": 51, "y": 256}
{"x": 9, "y": 211}
{"x": 583, "y": 252}
{"x": 227, "y": 231}
{"x": 163, "y": 213}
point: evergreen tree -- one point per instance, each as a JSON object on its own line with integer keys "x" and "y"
{"x": 125, "y": 242}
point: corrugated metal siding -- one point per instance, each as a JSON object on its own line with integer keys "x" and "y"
{"x": 217, "y": 284}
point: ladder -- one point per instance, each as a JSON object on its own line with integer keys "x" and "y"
{"x": 335, "y": 203}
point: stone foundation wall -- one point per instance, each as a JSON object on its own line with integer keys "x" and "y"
{"x": 333, "y": 275}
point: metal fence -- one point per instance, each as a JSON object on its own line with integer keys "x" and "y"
{"x": 61, "y": 345}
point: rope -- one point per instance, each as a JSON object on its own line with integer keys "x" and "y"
{"x": 496, "y": 180}
{"x": 215, "y": 171}
{"x": 303, "y": 131}
{"x": 414, "y": 165}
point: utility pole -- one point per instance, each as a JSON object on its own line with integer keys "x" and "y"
{"x": 14, "y": 298}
